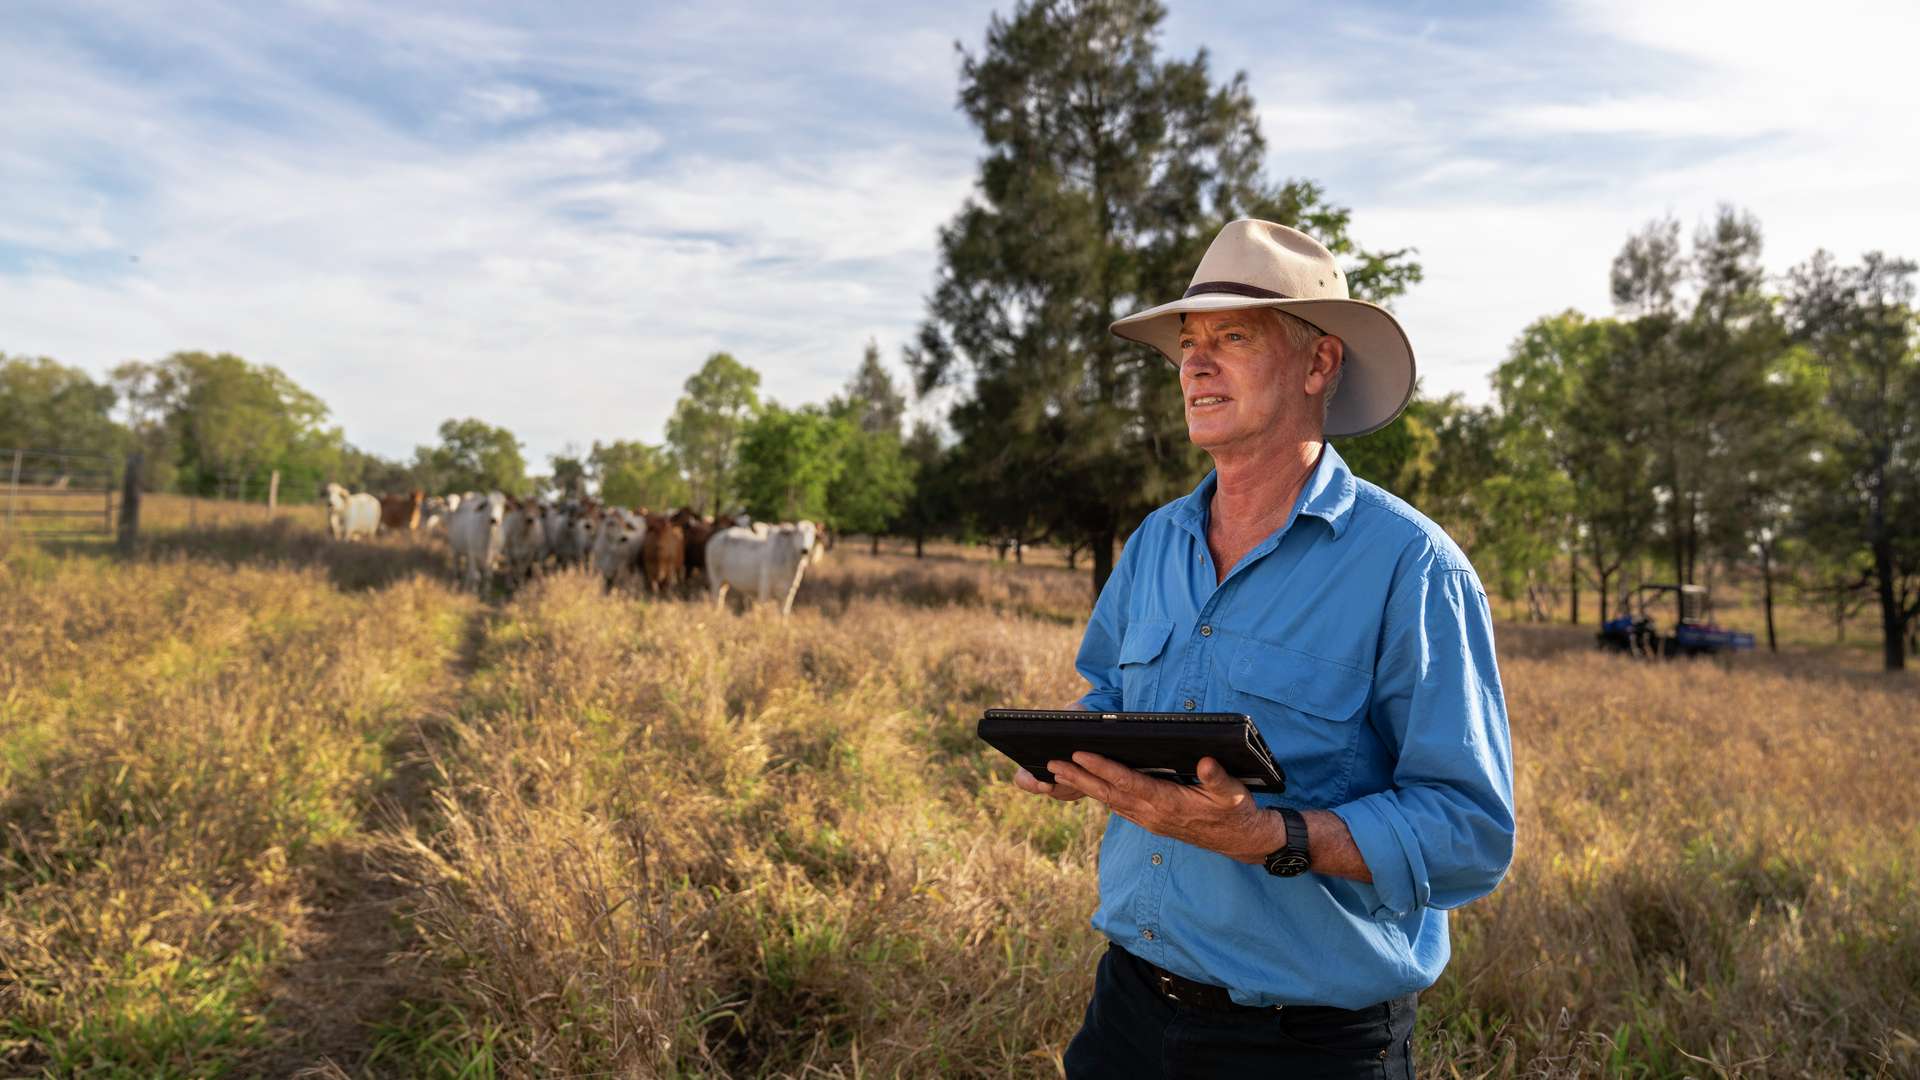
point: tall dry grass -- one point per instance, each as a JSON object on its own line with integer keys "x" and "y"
{"x": 655, "y": 838}
{"x": 188, "y": 751}
{"x": 680, "y": 839}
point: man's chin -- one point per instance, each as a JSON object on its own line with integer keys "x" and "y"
{"x": 1208, "y": 437}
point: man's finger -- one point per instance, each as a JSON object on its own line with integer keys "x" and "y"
{"x": 1068, "y": 773}
{"x": 1114, "y": 773}
{"x": 1220, "y": 785}
{"x": 1026, "y": 781}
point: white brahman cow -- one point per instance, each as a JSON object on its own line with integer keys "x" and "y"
{"x": 525, "y": 535}
{"x": 557, "y": 527}
{"x": 351, "y": 516}
{"x": 769, "y": 563}
{"x": 476, "y": 532}
{"x": 434, "y": 511}
{"x": 616, "y": 544}
{"x": 586, "y": 533}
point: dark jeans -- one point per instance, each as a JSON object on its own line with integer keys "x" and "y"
{"x": 1131, "y": 1031}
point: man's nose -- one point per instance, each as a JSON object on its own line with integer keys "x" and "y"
{"x": 1198, "y": 361}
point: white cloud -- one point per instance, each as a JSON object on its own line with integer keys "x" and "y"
{"x": 549, "y": 226}
{"x": 500, "y": 102}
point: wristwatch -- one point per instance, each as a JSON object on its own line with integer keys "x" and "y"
{"x": 1291, "y": 860}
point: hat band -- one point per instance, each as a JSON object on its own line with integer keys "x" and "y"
{"x": 1236, "y": 288}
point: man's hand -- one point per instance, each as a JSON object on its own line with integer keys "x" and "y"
{"x": 1028, "y": 782}
{"x": 1219, "y": 814}
{"x": 1032, "y": 784}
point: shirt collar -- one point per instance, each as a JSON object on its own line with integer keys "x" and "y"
{"x": 1328, "y": 495}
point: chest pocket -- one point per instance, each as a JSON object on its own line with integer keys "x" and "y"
{"x": 1140, "y": 665}
{"x": 1308, "y": 709}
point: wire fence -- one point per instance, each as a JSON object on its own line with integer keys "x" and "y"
{"x": 57, "y": 495}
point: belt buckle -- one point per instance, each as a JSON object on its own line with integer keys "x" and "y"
{"x": 1166, "y": 987}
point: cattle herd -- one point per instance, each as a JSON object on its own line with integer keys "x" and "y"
{"x": 497, "y": 537}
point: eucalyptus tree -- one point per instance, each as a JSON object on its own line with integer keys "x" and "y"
{"x": 1107, "y": 170}
{"x": 1859, "y": 325}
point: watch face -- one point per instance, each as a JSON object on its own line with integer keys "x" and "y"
{"x": 1286, "y": 863}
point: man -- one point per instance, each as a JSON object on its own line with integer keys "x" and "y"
{"x": 1287, "y": 935}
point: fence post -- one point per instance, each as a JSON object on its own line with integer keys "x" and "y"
{"x": 13, "y": 487}
{"x": 130, "y": 503}
{"x": 273, "y": 493}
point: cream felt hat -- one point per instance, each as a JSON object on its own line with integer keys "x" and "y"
{"x": 1261, "y": 264}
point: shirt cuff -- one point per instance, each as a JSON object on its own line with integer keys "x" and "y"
{"x": 1095, "y": 701}
{"x": 1391, "y": 852}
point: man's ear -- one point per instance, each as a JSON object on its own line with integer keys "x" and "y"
{"x": 1324, "y": 362}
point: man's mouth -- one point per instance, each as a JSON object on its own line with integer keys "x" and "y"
{"x": 1207, "y": 399}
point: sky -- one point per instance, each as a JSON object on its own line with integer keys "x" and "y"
{"x": 548, "y": 215}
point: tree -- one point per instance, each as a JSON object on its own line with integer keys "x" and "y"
{"x": 1709, "y": 359}
{"x": 45, "y": 405}
{"x": 872, "y": 401}
{"x": 635, "y": 474}
{"x": 933, "y": 506}
{"x": 146, "y": 394}
{"x": 1859, "y": 325}
{"x": 876, "y": 477}
{"x": 226, "y": 424}
{"x": 473, "y": 455}
{"x": 364, "y": 471}
{"x": 569, "y": 473}
{"x": 1568, "y": 392}
{"x": 706, "y": 426}
{"x": 1107, "y": 171}
{"x": 789, "y": 460}
{"x": 875, "y": 482}
{"x": 1398, "y": 457}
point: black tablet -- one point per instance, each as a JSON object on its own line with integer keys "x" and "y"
{"x": 1168, "y": 745}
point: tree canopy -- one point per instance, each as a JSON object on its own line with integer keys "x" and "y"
{"x": 473, "y": 455}
{"x": 707, "y": 425}
{"x": 1107, "y": 170}
{"x": 46, "y": 405}
{"x": 789, "y": 460}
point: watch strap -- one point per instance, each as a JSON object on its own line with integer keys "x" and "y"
{"x": 1294, "y": 858}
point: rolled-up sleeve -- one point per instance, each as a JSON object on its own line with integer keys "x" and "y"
{"x": 1099, "y": 658}
{"x": 1442, "y": 834}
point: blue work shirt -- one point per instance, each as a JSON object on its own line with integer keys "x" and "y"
{"x": 1359, "y": 640}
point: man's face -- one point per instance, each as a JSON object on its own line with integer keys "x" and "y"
{"x": 1239, "y": 378}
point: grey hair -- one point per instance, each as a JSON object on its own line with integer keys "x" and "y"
{"x": 1300, "y": 335}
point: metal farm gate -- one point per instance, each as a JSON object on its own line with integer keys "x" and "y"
{"x": 51, "y": 494}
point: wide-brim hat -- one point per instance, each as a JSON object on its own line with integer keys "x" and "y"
{"x": 1261, "y": 264}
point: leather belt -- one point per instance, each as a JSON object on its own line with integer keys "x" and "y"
{"x": 1184, "y": 991}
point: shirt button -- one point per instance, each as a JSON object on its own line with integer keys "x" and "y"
{"x": 1206, "y": 631}
{"x": 1156, "y": 858}
{"x": 1148, "y": 934}
{"x": 1187, "y": 704}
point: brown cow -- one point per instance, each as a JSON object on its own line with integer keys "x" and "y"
{"x": 698, "y": 531}
{"x": 663, "y": 553}
{"x": 401, "y": 512}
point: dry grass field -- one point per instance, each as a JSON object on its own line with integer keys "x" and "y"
{"x": 270, "y": 805}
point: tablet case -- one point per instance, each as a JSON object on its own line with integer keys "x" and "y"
{"x": 1164, "y": 744}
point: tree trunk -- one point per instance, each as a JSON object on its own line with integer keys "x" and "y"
{"x": 1605, "y": 596}
{"x": 1573, "y": 588}
{"x": 1893, "y": 637}
{"x": 1020, "y": 551}
{"x": 919, "y": 545}
{"x": 1766, "y": 593}
{"x": 1102, "y": 558}
{"x": 876, "y": 544}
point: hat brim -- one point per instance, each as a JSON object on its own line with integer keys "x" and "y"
{"x": 1379, "y": 375}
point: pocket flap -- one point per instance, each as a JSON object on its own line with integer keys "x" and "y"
{"x": 1144, "y": 640}
{"x": 1300, "y": 681}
